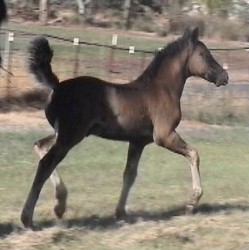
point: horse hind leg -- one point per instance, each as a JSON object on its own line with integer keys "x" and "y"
{"x": 45, "y": 168}
{"x": 174, "y": 142}
{"x": 41, "y": 148}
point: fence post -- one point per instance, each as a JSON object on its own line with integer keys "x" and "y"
{"x": 142, "y": 63}
{"x": 8, "y": 63}
{"x": 131, "y": 52}
{"x": 76, "y": 43}
{"x": 111, "y": 55}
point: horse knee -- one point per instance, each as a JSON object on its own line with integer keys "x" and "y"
{"x": 165, "y": 140}
{"x": 193, "y": 156}
{"x": 42, "y": 146}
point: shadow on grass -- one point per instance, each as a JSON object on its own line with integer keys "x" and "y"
{"x": 7, "y": 228}
{"x": 110, "y": 222}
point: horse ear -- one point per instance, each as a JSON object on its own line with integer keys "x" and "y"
{"x": 187, "y": 33}
{"x": 191, "y": 34}
{"x": 195, "y": 35}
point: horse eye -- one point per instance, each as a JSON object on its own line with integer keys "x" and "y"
{"x": 201, "y": 54}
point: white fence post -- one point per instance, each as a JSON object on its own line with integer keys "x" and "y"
{"x": 76, "y": 43}
{"x": 8, "y": 62}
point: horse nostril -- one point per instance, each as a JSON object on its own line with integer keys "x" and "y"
{"x": 224, "y": 77}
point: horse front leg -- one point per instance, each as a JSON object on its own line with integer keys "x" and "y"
{"x": 41, "y": 148}
{"x": 134, "y": 153}
{"x": 174, "y": 142}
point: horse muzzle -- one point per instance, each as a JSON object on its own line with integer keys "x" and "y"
{"x": 222, "y": 79}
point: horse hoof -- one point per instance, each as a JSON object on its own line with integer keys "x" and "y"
{"x": 59, "y": 211}
{"x": 190, "y": 210}
{"x": 121, "y": 214}
{"x": 27, "y": 222}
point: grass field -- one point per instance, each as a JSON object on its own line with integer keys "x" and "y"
{"x": 93, "y": 174}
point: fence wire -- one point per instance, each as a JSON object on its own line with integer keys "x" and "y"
{"x": 201, "y": 100}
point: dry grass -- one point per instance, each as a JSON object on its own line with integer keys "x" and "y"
{"x": 219, "y": 230}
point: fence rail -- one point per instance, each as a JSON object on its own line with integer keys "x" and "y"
{"x": 72, "y": 57}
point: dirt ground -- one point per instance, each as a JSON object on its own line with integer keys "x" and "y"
{"x": 23, "y": 120}
{"x": 36, "y": 120}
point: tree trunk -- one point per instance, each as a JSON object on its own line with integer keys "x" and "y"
{"x": 43, "y": 13}
{"x": 126, "y": 13}
{"x": 82, "y": 6}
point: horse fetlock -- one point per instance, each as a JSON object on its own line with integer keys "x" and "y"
{"x": 197, "y": 194}
{"x": 194, "y": 200}
{"x": 61, "y": 197}
{"x": 59, "y": 210}
{"x": 26, "y": 219}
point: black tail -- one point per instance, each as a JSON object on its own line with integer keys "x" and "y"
{"x": 3, "y": 11}
{"x": 40, "y": 62}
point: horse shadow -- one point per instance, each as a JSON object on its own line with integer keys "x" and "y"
{"x": 109, "y": 222}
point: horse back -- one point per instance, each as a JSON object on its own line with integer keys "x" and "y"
{"x": 107, "y": 110}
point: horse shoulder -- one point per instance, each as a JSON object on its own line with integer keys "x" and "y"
{"x": 166, "y": 115}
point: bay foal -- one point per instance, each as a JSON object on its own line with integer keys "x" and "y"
{"x": 143, "y": 111}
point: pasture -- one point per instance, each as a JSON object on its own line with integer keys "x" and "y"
{"x": 93, "y": 170}
{"x": 93, "y": 174}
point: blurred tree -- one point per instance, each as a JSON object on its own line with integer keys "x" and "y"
{"x": 173, "y": 7}
{"x": 82, "y": 4}
{"x": 126, "y": 13}
{"x": 241, "y": 10}
{"x": 221, "y": 7}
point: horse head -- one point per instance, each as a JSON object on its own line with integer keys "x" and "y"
{"x": 201, "y": 63}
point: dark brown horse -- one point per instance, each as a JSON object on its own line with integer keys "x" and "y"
{"x": 143, "y": 111}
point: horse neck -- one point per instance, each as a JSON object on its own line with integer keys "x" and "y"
{"x": 172, "y": 74}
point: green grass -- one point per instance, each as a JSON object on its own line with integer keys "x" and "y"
{"x": 98, "y": 36}
{"x": 91, "y": 35}
{"x": 93, "y": 174}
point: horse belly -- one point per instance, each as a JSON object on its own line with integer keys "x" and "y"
{"x": 115, "y": 131}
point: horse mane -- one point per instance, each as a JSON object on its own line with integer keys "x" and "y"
{"x": 170, "y": 50}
